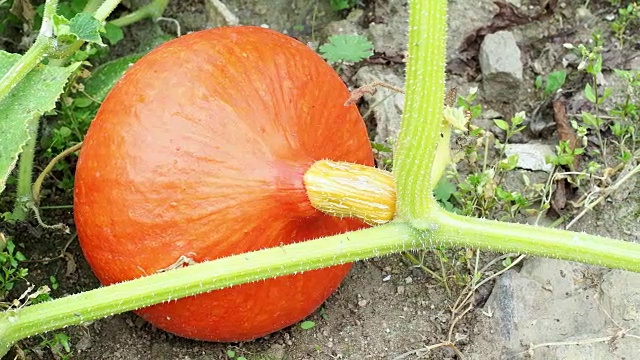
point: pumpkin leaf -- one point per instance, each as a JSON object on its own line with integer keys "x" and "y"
{"x": 33, "y": 96}
{"x": 106, "y": 75}
{"x": 347, "y": 48}
{"x": 113, "y": 33}
{"x": 83, "y": 26}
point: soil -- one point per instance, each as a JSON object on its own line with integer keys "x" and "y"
{"x": 386, "y": 308}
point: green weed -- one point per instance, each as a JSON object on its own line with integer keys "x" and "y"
{"x": 339, "y": 5}
{"x": 59, "y": 345}
{"x": 308, "y": 324}
{"x": 550, "y": 83}
{"x": 12, "y": 272}
{"x": 346, "y": 48}
{"x": 627, "y": 18}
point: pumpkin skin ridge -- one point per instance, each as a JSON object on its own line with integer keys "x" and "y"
{"x": 129, "y": 189}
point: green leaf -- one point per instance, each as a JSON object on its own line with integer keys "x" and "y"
{"x": 444, "y": 190}
{"x": 624, "y": 74}
{"x": 86, "y": 28}
{"x": 64, "y": 131}
{"x": 555, "y": 80}
{"x": 231, "y": 353}
{"x": 306, "y": 325}
{"x": 349, "y": 48}
{"x": 106, "y": 75}
{"x": 10, "y": 247}
{"x": 338, "y": 5}
{"x": 113, "y": 33}
{"x": 381, "y": 147}
{"x": 509, "y": 163}
{"x": 63, "y": 339}
{"x": 605, "y": 95}
{"x": 83, "y": 26}
{"x": 507, "y": 262}
{"x": 517, "y": 120}
{"x": 78, "y": 5}
{"x": 33, "y": 96}
{"x": 538, "y": 82}
{"x": 595, "y": 67}
{"x": 60, "y": 24}
{"x": 590, "y": 120}
{"x": 589, "y": 93}
{"x": 20, "y": 256}
{"x": 82, "y": 102}
{"x": 501, "y": 124}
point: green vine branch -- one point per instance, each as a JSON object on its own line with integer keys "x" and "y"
{"x": 422, "y": 117}
{"x": 43, "y": 44}
{"x": 37, "y": 185}
{"x": 153, "y": 10}
{"x": 25, "y": 172}
{"x": 27, "y": 321}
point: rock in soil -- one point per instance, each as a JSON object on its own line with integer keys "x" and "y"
{"x": 531, "y": 156}
{"x": 501, "y": 66}
{"x": 554, "y": 309}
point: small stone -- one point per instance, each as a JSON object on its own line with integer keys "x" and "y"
{"x": 355, "y": 15}
{"x": 634, "y": 63}
{"x": 129, "y": 322}
{"x": 551, "y": 300}
{"x": 276, "y": 351}
{"x": 386, "y": 278}
{"x": 400, "y": 290}
{"x": 531, "y": 156}
{"x": 390, "y": 37}
{"x": 84, "y": 343}
{"x": 342, "y": 27}
{"x": 408, "y": 280}
{"x": 362, "y": 303}
{"x": 140, "y": 322}
{"x": 501, "y": 66}
{"x": 261, "y": 9}
{"x": 583, "y": 15}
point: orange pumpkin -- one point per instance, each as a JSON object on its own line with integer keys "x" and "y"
{"x": 198, "y": 152}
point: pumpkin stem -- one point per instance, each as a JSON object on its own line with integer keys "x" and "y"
{"x": 344, "y": 189}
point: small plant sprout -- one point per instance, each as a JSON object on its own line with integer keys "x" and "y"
{"x": 628, "y": 17}
{"x": 308, "y": 324}
{"x": 551, "y": 83}
{"x": 11, "y": 272}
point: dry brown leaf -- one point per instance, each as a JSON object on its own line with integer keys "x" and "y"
{"x": 71, "y": 264}
{"x": 559, "y": 197}
{"x": 565, "y": 133}
{"x": 564, "y": 129}
{"x": 24, "y": 10}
